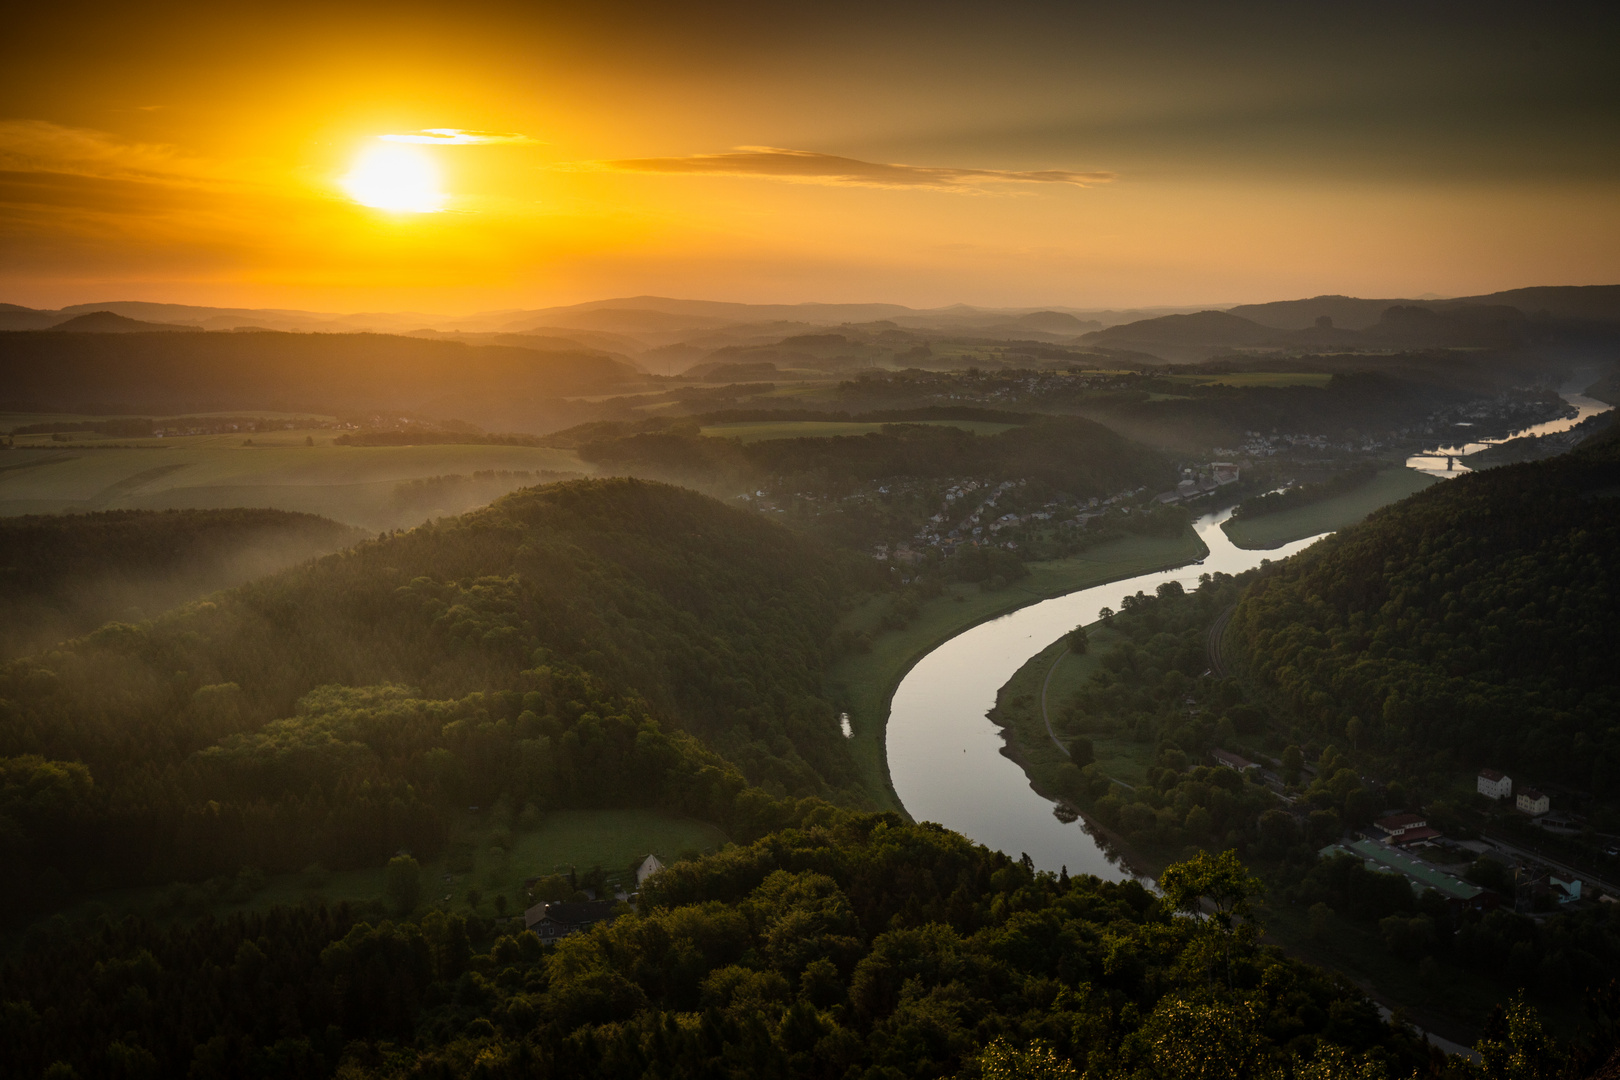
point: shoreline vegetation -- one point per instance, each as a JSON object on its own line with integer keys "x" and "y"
{"x": 864, "y": 683}
{"x": 1082, "y": 695}
{"x": 1355, "y": 949}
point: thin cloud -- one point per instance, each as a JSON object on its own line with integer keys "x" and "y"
{"x": 809, "y": 167}
{"x": 456, "y": 137}
{"x": 39, "y": 146}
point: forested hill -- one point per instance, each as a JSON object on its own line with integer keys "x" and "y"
{"x": 851, "y": 946}
{"x": 1070, "y": 454}
{"x": 341, "y": 705}
{"x": 64, "y": 575}
{"x": 1476, "y": 622}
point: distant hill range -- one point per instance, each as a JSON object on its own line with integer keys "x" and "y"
{"x": 1499, "y": 320}
{"x": 1595, "y": 303}
{"x": 669, "y": 335}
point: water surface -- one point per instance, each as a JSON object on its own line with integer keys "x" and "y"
{"x": 944, "y": 753}
{"x": 1443, "y": 460}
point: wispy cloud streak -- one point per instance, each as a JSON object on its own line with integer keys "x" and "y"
{"x": 41, "y": 146}
{"x": 456, "y": 137}
{"x": 810, "y": 167}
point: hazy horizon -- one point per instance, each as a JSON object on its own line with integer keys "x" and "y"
{"x": 1161, "y": 306}
{"x": 361, "y": 158}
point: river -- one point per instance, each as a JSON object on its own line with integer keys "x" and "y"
{"x": 1442, "y": 460}
{"x": 944, "y": 754}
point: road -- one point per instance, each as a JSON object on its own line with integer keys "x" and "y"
{"x": 1217, "y": 630}
{"x": 1563, "y": 868}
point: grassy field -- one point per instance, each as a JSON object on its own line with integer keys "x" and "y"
{"x": 581, "y": 839}
{"x": 865, "y": 683}
{"x": 1274, "y": 530}
{"x": 756, "y": 431}
{"x": 352, "y": 484}
{"x": 1018, "y": 709}
{"x": 1256, "y": 378}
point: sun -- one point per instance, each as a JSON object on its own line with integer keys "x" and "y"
{"x": 402, "y": 179}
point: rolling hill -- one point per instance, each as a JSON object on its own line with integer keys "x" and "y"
{"x": 1474, "y": 623}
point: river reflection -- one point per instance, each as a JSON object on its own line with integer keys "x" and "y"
{"x": 944, "y": 753}
{"x": 1443, "y": 460}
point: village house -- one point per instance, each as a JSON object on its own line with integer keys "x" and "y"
{"x": 1533, "y": 802}
{"x": 1493, "y": 785}
{"x": 1404, "y": 829}
{"x": 554, "y": 920}
{"x": 649, "y": 866}
{"x": 1232, "y": 761}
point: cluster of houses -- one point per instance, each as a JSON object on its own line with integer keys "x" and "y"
{"x": 1493, "y": 785}
{"x": 558, "y": 918}
{"x": 972, "y": 514}
{"x": 1195, "y": 483}
{"x": 1391, "y": 845}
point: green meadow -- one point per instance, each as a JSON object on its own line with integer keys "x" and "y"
{"x": 475, "y": 866}
{"x": 1061, "y": 674}
{"x": 357, "y": 485}
{"x": 1275, "y": 530}
{"x": 1256, "y": 378}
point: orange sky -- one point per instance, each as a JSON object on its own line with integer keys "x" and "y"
{"x": 1038, "y": 155}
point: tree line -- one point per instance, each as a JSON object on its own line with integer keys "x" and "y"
{"x": 841, "y": 945}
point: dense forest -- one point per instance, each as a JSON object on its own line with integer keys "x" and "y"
{"x": 846, "y": 945}
{"x": 61, "y": 577}
{"x": 551, "y": 649}
{"x": 1476, "y": 623}
{"x": 1149, "y": 689}
{"x": 1067, "y": 453}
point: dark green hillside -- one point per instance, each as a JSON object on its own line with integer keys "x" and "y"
{"x": 1477, "y": 621}
{"x": 63, "y": 576}
{"x": 1070, "y": 454}
{"x": 847, "y": 946}
{"x": 464, "y": 661}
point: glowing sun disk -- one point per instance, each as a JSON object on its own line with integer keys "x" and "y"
{"x": 402, "y": 179}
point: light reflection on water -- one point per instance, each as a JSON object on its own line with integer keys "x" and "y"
{"x": 1442, "y": 460}
{"x": 944, "y": 754}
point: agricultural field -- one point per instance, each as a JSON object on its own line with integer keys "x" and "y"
{"x": 1275, "y": 530}
{"x": 758, "y": 431}
{"x": 1256, "y": 378}
{"x": 299, "y": 469}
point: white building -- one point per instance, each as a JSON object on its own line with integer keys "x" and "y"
{"x": 1533, "y": 802}
{"x": 649, "y": 866}
{"x": 1493, "y": 785}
